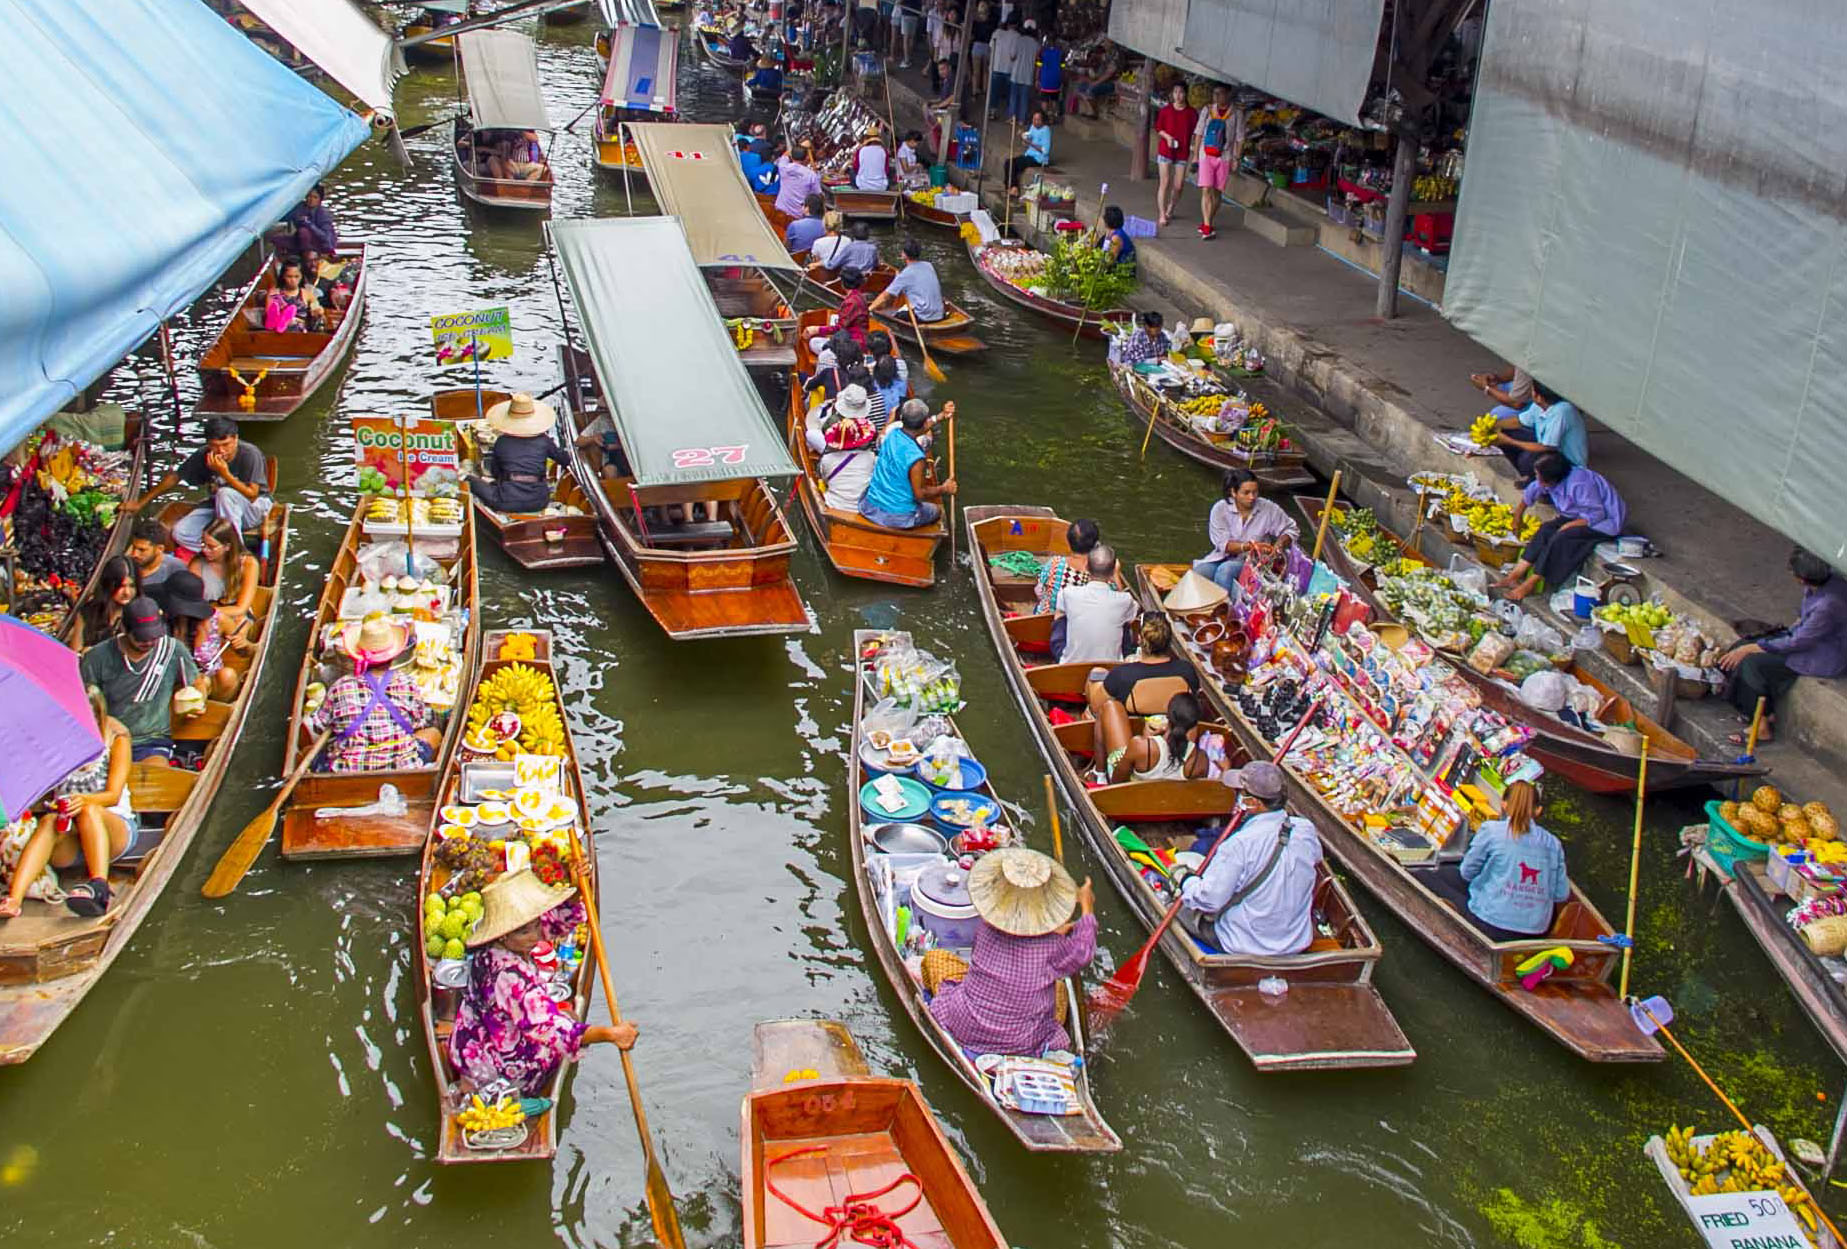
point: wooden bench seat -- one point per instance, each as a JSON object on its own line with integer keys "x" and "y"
{"x": 696, "y": 533}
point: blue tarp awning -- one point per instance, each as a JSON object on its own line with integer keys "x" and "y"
{"x": 148, "y": 143}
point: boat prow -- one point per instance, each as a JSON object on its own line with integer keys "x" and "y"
{"x": 819, "y": 1129}
{"x": 278, "y": 372}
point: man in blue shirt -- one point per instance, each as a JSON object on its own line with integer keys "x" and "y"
{"x": 897, "y": 497}
{"x": 918, "y": 283}
{"x": 760, "y": 168}
{"x": 1556, "y": 425}
{"x": 859, "y": 253}
{"x": 803, "y": 231}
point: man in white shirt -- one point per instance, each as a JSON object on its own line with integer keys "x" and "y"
{"x": 1258, "y": 890}
{"x": 1094, "y": 613}
{"x": 1025, "y": 76}
{"x": 1000, "y": 62}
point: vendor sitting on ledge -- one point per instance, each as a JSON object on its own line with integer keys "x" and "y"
{"x": 1589, "y": 512}
{"x": 1006, "y": 998}
{"x": 1815, "y": 646}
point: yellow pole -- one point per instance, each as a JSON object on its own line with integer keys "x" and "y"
{"x": 1154, "y": 412}
{"x": 1635, "y": 870}
{"x": 1327, "y": 510}
{"x": 1757, "y": 725}
{"x": 1051, "y": 805}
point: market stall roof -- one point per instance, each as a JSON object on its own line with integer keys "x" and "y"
{"x": 151, "y": 142}
{"x": 695, "y": 174}
{"x": 501, "y": 68}
{"x": 684, "y": 406}
{"x": 630, "y": 12}
{"x": 342, "y": 40}
{"x": 643, "y": 62}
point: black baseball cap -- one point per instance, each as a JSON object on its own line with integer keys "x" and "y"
{"x": 143, "y": 620}
{"x": 182, "y": 594}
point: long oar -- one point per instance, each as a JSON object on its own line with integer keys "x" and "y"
{"x": 235, "y": 862}
{"x": 1051, "y": 805}
{"x": 936, "y": 374}
{"x": 1635, "y": 869}
{"x": 660, "y": 1197}
{"x": 1110, "y": 998}
{"x": 951, "y": 509}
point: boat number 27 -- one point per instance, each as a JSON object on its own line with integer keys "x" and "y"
{"x": 705, "y": 457}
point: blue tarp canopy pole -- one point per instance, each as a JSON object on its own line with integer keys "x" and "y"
{"x": 149, "y": 144}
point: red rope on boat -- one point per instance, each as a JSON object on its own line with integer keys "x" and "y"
{"x": 858, "y": 1218}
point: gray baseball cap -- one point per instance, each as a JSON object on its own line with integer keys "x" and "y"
{"x": 1261, "y": 779}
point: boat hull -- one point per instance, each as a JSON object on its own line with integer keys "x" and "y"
{"x": 288, "y": 369}
{"x": 1086, "y": 323}
{"x": 1274, "y": 471}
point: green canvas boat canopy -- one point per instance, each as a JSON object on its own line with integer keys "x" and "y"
{"x": 501, "y": 69}
{"x": 682, "y": 403}
{"x": 695, "y": 175}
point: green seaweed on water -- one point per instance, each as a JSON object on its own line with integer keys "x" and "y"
{"x": 1554, "y": 1223}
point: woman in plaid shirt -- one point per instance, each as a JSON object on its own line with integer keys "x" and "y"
{"x": 1062, "y": 570}
{"x": 378, "y": 718}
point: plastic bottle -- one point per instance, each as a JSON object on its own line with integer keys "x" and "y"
{"x": 1273, "y": 986}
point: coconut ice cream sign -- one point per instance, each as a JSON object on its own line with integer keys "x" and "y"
{"x": 388, "y": 449}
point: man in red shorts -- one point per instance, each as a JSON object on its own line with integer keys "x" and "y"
{"x": 1219, "y": 146}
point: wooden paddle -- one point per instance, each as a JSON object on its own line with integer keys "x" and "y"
{"x": 1327, "y": 511}
{"x": 660, "y": 1197}
{"x": 936, "y": 374}
{"x": 950, "y": 511}
{"x": 1110, "y": 998}
{"x": 238, "y": 857}
{"x": 1051, "y": 805}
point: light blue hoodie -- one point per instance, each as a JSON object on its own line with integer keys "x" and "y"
{"x": 1514, "y": 882}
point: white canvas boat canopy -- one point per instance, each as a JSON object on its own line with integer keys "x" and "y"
{"x": 501, "y": 69}
{"x": 342, "y": 40}
{"x": 679, "y": 396}
{"x": 643, "y": 63}
{"x": 695, "y": 174}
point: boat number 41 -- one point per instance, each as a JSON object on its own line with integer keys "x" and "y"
{"x": 705, "y": 457}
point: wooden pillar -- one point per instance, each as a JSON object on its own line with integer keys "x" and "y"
{"x": 1144, "y": 124}
{"x": 1404, "y": 169}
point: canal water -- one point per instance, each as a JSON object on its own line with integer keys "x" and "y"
{"x": 251, "y": 1072}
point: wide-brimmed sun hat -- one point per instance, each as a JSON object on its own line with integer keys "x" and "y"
{"x": 853, "y": 402}
{"x": 1204, "y": 325}
{"x": 375, "y": 640}
{"x": 1195, "y": 593}
{"x": 522, "y": 416}
{"x": 512, "y": 902}
{"x": 1021, "y": 892}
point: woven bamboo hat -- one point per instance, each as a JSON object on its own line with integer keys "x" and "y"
{"x": 1194, "y": 594}
{"x": 377, "y": 639}
{"x": 514, "y": 901}
{"x": 1021, "y": 891}
{"x": 522, "y": 416}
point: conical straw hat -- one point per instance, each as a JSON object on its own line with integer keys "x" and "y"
{"x": 1021, "y": 891}
{"x": 514, "y": 901}
{"x": 1195, "y": 593}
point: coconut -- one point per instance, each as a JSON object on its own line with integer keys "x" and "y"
{"x": 1797, "y": 831}
{"x": 1766, "y": 798}
{"x": 1756, "y": 824}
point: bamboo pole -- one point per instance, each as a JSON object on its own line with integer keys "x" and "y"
{"x": 1051, "y": 806}
{"x": 1327, "y": 510}
{"x": 1757, "y": 726}
{"x": 1154, "y": 413}
{"x": 1635, "y": 871}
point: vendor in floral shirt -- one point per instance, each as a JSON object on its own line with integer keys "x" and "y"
{"x": 508, "y": 1029}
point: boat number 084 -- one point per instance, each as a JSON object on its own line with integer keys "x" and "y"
{"x": 704, "y": 457}
{"x": 828, "y": 1103}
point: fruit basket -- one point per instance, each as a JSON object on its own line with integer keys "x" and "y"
{"x": 1726, "y": 844}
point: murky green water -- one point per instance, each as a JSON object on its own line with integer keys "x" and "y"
{"x": 250, "y": 1074}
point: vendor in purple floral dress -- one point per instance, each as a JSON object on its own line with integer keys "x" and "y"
{"x": 1005, "y": 1000}
{"x": 508, "y": 1027}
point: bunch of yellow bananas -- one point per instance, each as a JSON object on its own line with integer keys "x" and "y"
{"x": 1482, "y": 432}
{"x": 926, "y": 197}
{"x": 1201, "y": 405}
{"x": 533, "y": 697}
{"x": 480, "y": 1117}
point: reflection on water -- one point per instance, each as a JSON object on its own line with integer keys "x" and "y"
{"x": 251, "y": 1074}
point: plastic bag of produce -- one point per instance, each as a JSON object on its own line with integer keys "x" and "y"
{"x": 378, "y": 560}
{"x": 1534, "y": 634}
{"x": 1546, "y": 691}
{"x": 1589, "y": 638}
{"x": 1490, "y": 653}
{"x": 1469, "y": 575}
{"x": 886, "y": 716}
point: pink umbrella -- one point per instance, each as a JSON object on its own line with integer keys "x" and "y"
{"x": 48, "y": 728}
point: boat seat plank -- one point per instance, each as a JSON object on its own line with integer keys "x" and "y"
{"x": 250, "y": 365}
{"x": 204, "y": 727}
{"x": 1031, "y": 634}
{"x": 304, "y": 837}
{"x": 693, "y": 533}
{"x": 156, "y": 786}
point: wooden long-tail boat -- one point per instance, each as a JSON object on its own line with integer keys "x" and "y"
{"x": 1066, "y": 314}
{"x": 693, "y": 430}
{"x": 50, "y": 958}
{"x": 949, "y": 334}
{"x": 1274, "y": 470}
{"x": 1765, "y": 913}
{"x": 778, "y": 219}
{"x": 857, "y": 205}
{"x": 1332, "y": 1015}
{"x": 715, "y": 46}
{"x": 276, "y": 373}
{"x": 440, "y": 50}
{"x": 1575, "y": 753}
{"x": 855, "y": 546}
{"x": 820, "y": 1130}
{"x": 638, "y": 85}
{"x": 452, "y": 1091}
{"x": 505, "y": 65}
{"x": 536, "y": 541}
{"x": 1083, "y": 1132}
{"x": 1576, "y": 1006}
{"x": 117, "y": 541}
{"x": 370, "y": 836}
{"x": 930, "y": 214}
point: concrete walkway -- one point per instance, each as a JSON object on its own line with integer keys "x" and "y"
{"x": 1379, "y": 390}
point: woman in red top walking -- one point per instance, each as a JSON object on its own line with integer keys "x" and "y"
{"x": 1173, "y": 136}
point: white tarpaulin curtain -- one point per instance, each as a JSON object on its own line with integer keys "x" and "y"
{"x": 342, "y": 40}
{"x": 501, "y": 68}
{"x": 1315, "y": 53}
{"x": 1652, "y": 222}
